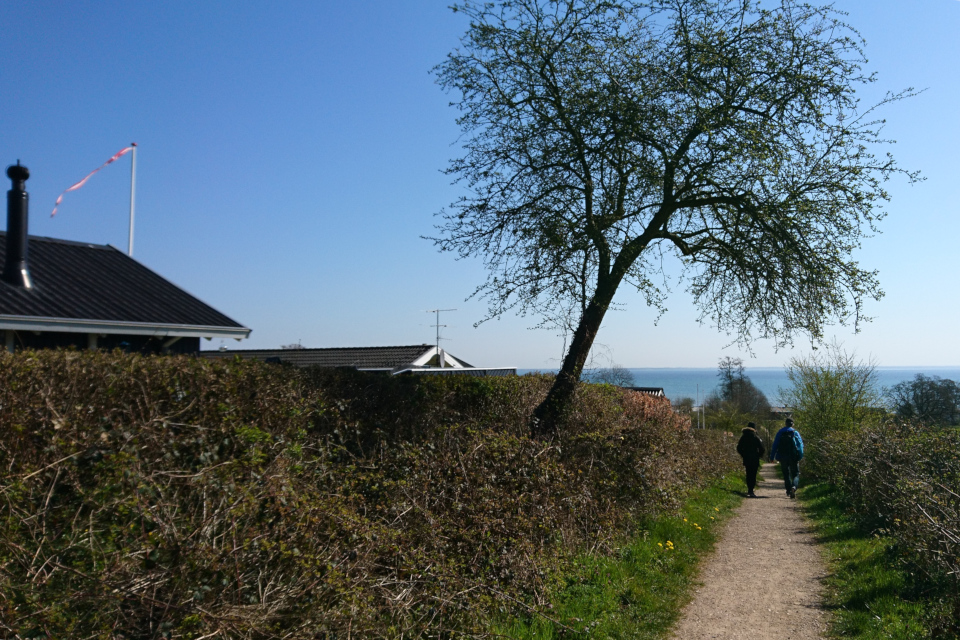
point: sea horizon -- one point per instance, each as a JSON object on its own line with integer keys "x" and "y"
{"x": 698, "y": 382}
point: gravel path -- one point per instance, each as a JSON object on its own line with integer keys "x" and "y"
{"x": 764, "y": 579}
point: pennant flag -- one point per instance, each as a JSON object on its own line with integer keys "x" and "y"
{"x": 84, "y": 181}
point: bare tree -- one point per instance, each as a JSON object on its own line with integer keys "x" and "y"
{"x": 737, "y": 390}
{"x": 615, "y": 374}
{"x": 603, "y": 135}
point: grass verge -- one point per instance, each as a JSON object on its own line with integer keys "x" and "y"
{"x": 872, "y": 594}
{"x": 638, "y": 590}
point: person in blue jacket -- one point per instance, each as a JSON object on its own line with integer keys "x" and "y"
{"x": 787, "y": 449}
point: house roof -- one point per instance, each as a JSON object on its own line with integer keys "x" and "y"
{"x": 93, "y": 288}
{"x": 476, "y": 372}
{"x": 657, "y": 392}
{"x": 386, "y": 358}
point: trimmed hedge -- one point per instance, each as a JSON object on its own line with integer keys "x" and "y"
{"x": 173, "y": 497}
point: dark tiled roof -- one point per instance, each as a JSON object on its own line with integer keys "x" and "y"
{"x": 79, "y": 281}
{"x": 359, "y": 357}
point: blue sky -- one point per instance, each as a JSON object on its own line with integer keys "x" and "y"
{"x": 290, "y": 158}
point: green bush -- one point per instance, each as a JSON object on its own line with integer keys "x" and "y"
{"x": 173, "y": 497}
{"x": 900, "y": 480}
{"x": 832, "y": 392}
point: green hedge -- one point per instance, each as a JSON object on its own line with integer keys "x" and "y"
{"x": 173, "y": 497}
{"x": 903, "y": 481}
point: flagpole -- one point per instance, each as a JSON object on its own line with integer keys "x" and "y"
{"x": 133, "y": 190}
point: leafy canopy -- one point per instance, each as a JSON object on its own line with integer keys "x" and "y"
{"x": 601, "y": 136}
{"x": 832, "y": 391}
{"x": 929, "y": 399}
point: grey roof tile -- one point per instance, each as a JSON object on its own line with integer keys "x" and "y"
{"x": 80, "y": 281}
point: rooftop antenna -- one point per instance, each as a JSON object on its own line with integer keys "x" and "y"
{"x": 440, "y": 358}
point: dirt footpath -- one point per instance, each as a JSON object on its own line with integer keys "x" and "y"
{"x": 764, "y": 579}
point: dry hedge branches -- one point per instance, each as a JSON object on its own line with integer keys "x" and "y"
{"x": 172, "y": 497}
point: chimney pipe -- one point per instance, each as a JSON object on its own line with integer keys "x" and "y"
{"x": 15, "y": 270}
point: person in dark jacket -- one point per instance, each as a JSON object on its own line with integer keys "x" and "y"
{"x": 751, "y": 450}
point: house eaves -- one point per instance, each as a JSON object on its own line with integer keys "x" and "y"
{"x": 79, "y": 325}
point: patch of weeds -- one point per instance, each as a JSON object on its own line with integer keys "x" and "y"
{"x": 871, "y": 593}
{"x": 638, "y": 590}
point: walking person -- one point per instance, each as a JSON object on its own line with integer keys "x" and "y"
{"x": 787, "y": 448}
{"x": 751, "y": 450}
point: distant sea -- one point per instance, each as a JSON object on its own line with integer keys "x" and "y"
{"x": 697, "y": 383}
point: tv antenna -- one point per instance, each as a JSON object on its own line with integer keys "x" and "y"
{"x": 438, "y": 326}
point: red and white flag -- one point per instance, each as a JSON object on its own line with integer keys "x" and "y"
{"x": 84, "y": 181}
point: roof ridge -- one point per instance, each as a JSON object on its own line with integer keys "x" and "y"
{"x": 79, "y": 243}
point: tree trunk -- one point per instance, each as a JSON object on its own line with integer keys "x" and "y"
{"x": 552, "y": 412}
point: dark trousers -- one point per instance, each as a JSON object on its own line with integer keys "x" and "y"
{"x": 791, "y": 474}
{"x": 751, "y": 475}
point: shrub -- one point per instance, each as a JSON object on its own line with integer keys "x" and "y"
{"x": 148, "y": 497}
{"x": 832, "y": 392}
{"x": 901, "y": 480}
